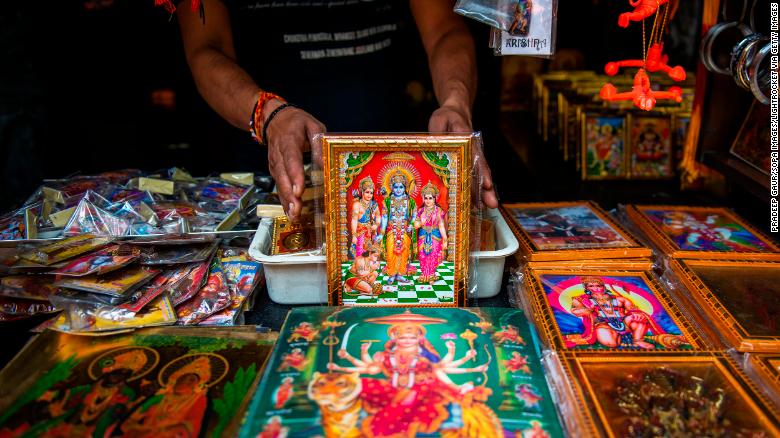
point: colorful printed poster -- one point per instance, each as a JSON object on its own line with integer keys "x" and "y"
{"x": 604, "y": 147}
{"x": 651, "y": 147}
{"x": 394, "y": 227}
{"x": 340, "y": 372}
{"x": 152, "y": 382}
{"x": 609, "y": 310}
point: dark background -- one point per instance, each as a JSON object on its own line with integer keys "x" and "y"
{"x": 78, "y": 80}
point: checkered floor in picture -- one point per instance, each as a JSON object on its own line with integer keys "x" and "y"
{"x": 442, "y": 291}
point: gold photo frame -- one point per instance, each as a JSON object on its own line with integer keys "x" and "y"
{"x": 702, "y": 233}
{"x": 738, "y": 297}
{"x": 608, "y": 311}
{"x": 578, "y": 230}
{"x": 604, "y": 388}
{"x": 387, "y": 247}
{"x": 293, "y": 237}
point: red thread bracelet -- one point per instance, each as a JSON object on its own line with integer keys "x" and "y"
{"x": 263, "y": 97}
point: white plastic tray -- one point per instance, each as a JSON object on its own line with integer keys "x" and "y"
{"x": 302, "y": 279}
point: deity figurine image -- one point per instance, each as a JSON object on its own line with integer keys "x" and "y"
{"x": 365, "y": 217}
{"x": 178, "y": 407}
{"x": 522, "y": 18}
{"x": 294, "y": 359}
{"x": 607, "y": 151}
{"x": 283, "y": 393}
{"x": 610, "y": 319}
{"x": 414, "y": 391}
{"x": 305, "y": 331}
{"x": 431, "y": 225}
{"x": 398, "y": 239}
{"x": 361, "y": 276}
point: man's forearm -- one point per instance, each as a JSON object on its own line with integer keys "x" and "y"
{"x": 450, "y": 48}
{"x": 227, "y": 88}
{"x": 453, "y": 68}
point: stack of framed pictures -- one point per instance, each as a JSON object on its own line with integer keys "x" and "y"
{"x": 636, "y": 361}
{"x": 731, "y": 273}
{"x": 610, "y": 140}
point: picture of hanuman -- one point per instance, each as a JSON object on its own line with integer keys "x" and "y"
{"x": 610, "y": 319}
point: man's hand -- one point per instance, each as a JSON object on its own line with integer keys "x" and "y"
{"x": 457, "y": 119}
{"x": 290, "y": 134}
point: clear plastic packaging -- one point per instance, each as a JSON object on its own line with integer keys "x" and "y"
{"x": 520, "y": 27}
{"x": 88, "y": 218}
{"x": 191, "y": 284}
{"x": 171, "y": 255}
{"x": 22, "y": 307}
{"x": 212, "y": 298}
{"x": 30, "y": 287}
{"x": 87, "y": 318}
{"x": 99, "y": 262}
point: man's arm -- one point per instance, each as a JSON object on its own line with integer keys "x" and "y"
{"x": 232, "y": 93}
{"x": 453, "y": 66}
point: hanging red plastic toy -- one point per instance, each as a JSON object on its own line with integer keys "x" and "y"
{"x": 653, "y": 60}
{"x": 642, "y": 10}
{"x": 641, "y": 93}
{"x": 656, "y": 61}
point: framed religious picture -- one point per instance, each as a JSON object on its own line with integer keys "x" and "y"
{"x": 614, "y": 311}
{"x": 397, "y": 219}
{"x": 650, "y": 146}
{"x": 752, "y": 142}
{"x": 702, "y": 233}
{"x": 740, "y": 298}
{"x": 569, "y": 231}
{"x": 668, "y": 395}
{"x": 388, "y": 372}
{"x": 151, "y": 382}
{"x": 603, "y": 145}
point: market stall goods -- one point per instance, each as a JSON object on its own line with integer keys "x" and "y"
{"x": 153, "y": 382}
{"x": 342, "y": 372}
{"x": 394, "y": 225}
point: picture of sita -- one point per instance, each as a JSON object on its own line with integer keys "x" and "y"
{"x": 597, "y": 312}
{"x": 431, "y": 226}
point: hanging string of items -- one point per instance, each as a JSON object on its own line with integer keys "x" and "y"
{"x": 653, "y": 59}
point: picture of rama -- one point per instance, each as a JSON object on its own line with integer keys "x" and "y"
{"x": 398, "y": 237}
